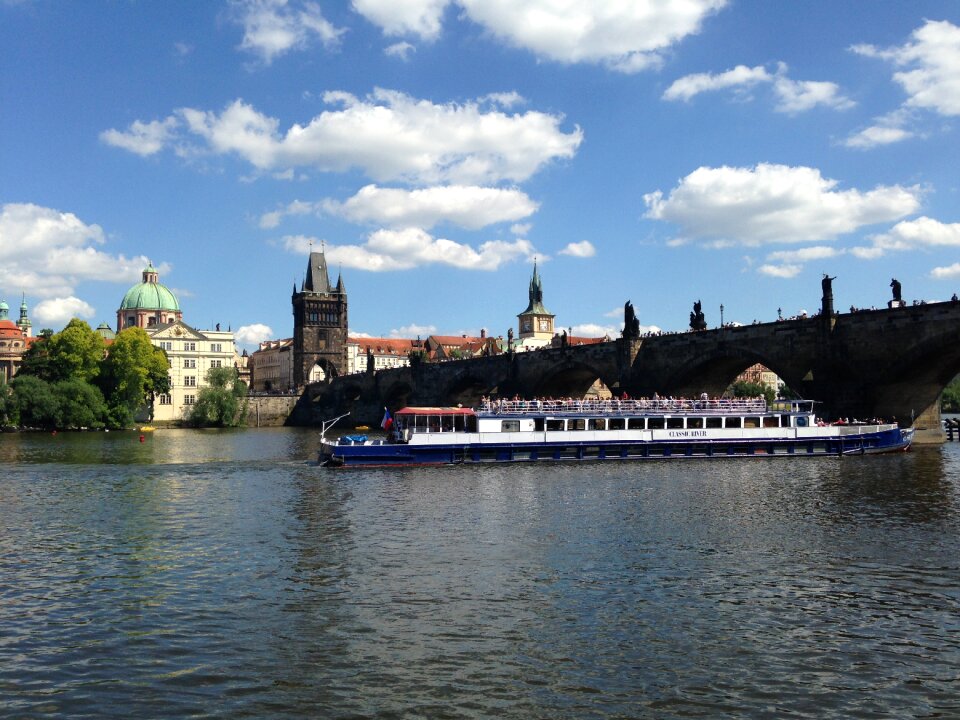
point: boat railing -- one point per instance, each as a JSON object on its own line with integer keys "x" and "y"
{"x": 681, "y": 406}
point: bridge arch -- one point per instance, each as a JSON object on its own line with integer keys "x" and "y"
{"x": 713, "y": 372}
{"x": 568, "y": 377}
{"x": 467, "y": 388}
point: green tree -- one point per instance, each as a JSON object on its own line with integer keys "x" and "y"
{"x": 79, "y": 404}
{"x": 950, "y": 400}
{"x": 7, "y": 405}
{"x": 36, "y": 360}
{"x": 76, "y": 352}
{"x": 36, "y": 403}
{"x": 743, "y": 389}
{"x": 222, "y": 403}
{"x": 131, "y": 374}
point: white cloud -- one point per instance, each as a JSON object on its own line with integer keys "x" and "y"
{"x": 780, "y": 271}
{"x": 877, "y": 135}
{"x": 946, "y": 273}
{"x": 911, "y": 235}
{"x": 389, "y": 136}
{"x": 59, "y": 311}
{"x": 253, "y": 334}
{"x": 689, "y": 86}
{"x": 624, "y": 36}
{"x": 885, "y": 130}
{"x": 297, "y": 207}
{"x": 593, "y": 330}
{"x": 387, "y": 250}
{"x": 521, "y": 229}
{"x": 582, "y": 249}
{"x": 796, "y": 96}
{"x": 467, "y": 206}
{"x": 412, "y": 331}
{"x": 46, "y": 253}
{"x": 793, "y": 96}
{"x": 400, "y": 50}
{"x": 931, "y": 60}
{"x": 804, "y": 255}
{"x": 142, "y": 138}
{"x": 774, "y": 204}
{"x": 409, "y": 17}
{"x": 274, "y": 27}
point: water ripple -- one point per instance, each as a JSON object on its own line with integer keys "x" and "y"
{"x": 225, "y": 575}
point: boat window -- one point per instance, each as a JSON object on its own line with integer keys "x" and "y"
{"x": 576, "y": 424}
{"x": 509, "y": 426}
{"x": 695, "y": 422}
{"x": 771, "y": 421}
{"x": 751, "y": 422}
{"x": 598, "y": 424}
{"x": 538, "y": 424}
{"x": 471, "y": 423}
{"x": 616, "y": 423}
{"x": 675, "y": 423}
{"x": 446, "y": 424}
{"x": 637, "y": 424}
{"x": 784, "y": 421}
{"x": 554, "y": 425}
{"x": 655, "y": 423}
{"x": 714, "y": 422}
{"x": 733, "y": 422}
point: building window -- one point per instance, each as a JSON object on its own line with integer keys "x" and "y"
{"x": 190, "y": 346}
{"x": 190, "y": 381}
{"x": 189, "y": 399}
{"x": 163, "y": 399}
{"x": 166, "y": 345}
{"x": 216, "y": 347}
{"x": 216, "y": 363}
{"x": 190, "y": 362}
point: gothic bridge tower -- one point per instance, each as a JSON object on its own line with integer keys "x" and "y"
{"x": 319, "y": 325}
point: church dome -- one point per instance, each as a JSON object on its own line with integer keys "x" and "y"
{"x": 150, "y": 295}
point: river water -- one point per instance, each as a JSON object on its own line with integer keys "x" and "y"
{"x": 225, "y": 574}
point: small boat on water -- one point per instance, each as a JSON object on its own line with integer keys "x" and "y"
{"x": 544, "y": 430}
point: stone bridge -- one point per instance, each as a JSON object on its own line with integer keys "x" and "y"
{"x": 891, "y": 363}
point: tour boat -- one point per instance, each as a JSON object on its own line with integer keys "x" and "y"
{"x": 541, "y": 430}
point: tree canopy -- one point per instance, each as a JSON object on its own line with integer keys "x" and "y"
{"x": 70, "y": 380}
{"x": 222, "y": 403}
{"x": 133, "y": 370}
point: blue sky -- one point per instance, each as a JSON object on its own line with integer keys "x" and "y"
{"x": 730, "y": 152}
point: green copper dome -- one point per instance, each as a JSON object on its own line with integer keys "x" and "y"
{"x": 150, "y": 295}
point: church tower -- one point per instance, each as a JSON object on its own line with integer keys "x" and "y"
{"x": 319, "y": 325}
{"x": 26, "y": 327}
{"x": 536, "y": 322}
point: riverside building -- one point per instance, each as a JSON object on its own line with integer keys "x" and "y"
{"x": 152, "y": 306}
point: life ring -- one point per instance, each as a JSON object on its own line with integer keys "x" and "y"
{"x": 801, "y": 422}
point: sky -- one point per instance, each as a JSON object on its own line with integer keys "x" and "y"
{"x": 725, "y": 151}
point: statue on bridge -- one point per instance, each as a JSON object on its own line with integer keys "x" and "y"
{"x": 897, "y": 296}
{"x": 697, "y": 320}
{"x": 631, "y": 325}
{"x": 827, "y": 301}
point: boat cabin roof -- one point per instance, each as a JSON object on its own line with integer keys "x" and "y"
{"x": 448, "y": 411}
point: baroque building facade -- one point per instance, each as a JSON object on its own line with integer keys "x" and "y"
{"x": 15, "y": 338}
{"x": 150, "y": 305}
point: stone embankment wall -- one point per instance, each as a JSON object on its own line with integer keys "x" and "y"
{"x": 270, "y": 410}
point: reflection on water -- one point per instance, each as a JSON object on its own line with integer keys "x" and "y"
{"x": 225, "y": 574}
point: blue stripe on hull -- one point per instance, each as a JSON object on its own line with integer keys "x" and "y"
{"x": 887, "y": 441}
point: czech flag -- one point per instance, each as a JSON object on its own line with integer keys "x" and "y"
{"x": 387, "y": 421}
